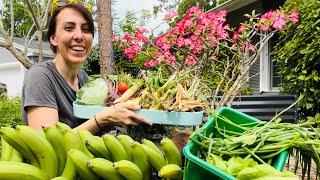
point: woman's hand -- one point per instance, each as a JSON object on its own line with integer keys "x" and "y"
{"x": 121, "y": 114}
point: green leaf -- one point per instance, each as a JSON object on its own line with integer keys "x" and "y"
{"x": 309, "y": 105}
{"x": 316, "y": 78}
{"x": 301, "y": 77}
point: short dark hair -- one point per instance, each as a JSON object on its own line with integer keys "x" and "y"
{"x": 53, "y": 21}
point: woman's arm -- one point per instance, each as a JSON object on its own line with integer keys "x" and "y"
{"x": 39, "y": 117}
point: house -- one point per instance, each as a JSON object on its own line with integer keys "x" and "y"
{"x": 266, "y": 100}
{"x": 268, "y": 81}
{"x": 12, "y": 71}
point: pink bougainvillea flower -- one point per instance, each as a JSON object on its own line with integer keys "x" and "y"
{"x": 294, "y": 17}
{"x": 171, "y": 15}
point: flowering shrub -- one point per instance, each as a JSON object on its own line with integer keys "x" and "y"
{"x": 202, "y": 40}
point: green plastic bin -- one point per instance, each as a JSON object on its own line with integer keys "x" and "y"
{"x": 197, "y": 169}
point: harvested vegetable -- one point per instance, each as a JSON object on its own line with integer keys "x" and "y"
{"x": 122, "y": 87}
{"x": 263, "y": 141}
{"x": 130, "y": 92}
{"x": 95, "y": 92}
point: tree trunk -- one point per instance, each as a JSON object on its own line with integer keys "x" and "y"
{"x": 105, "y": 34}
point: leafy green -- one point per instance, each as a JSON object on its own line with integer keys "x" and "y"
{"x": 95, "y": 92}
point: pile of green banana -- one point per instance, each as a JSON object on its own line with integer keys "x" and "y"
{"x": 59, "y": 152}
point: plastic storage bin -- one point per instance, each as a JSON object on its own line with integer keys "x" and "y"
{"x": 196, "y": 168}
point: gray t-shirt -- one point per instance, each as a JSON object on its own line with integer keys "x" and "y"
{"x": 44, "y": 86}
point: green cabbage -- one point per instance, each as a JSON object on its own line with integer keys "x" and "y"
{"x": 95, "y": 92}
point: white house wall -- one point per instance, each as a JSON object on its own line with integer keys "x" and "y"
{"x": 12, "y": 74}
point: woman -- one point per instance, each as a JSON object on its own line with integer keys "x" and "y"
{"x": 50, "y": 87}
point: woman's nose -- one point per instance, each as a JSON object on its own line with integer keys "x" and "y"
{"x": 79, "y": 35}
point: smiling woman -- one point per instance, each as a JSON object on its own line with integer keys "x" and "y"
{"x": 50, "y": 87}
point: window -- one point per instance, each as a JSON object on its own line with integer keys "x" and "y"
{"x": 270, "y": 79}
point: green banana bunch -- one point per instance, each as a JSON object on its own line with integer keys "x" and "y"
{"x": 72, "y": 141}
{"x": 97, "y": 147}
{"x": 151, "y": 144}
{"x": 104, "y": 168}
{"x": 10, "y": 170}
{"x": 115, "y": 148}
{"x": 40, "y": 146}
{"x": 62, "y": 127}
{"x": 126, "y": 143}
{"x": 6, "y": 150}
{"x": 139, "y": 157}
{"x": 170, "y": 171}
{"x": 155, "y": 158}
{"x": 16, "y": 156}
{"x": 55, "y": 138}
{"x": 69, "y": 171}
{"x": 12, "y": 138}
{"x": 59, "y": 178}
{"x": 84, "y": 135}
{"x": 128, "y": 170}
{"x": 80, "y": 160}
{"x": 171, "y": 152}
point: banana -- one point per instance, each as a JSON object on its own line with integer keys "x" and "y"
{"x": 6, "y": 150}
{"x": 171, "y": 152}
{"x": 104, "y": 168}
{"x": 59, "y": 178}
{"x": 126, "y": 143}
{"x": 80, "y": 160}
{"x": 97, "y": 147}
{"x": 16, "y": 156}
{"x": 152, "y": 145}
{"x": 62, "y": 127}
{"x": 54, "y": 137}
{"x": 69, "y": 171}
{"x": 42, "y": 148}
{"x": 115, "y": 148}
{"x": 84, "y": 135}
{"x": 72, "y": 140}
{"x": 139, "y": 157}
{"x": 126, "y": 137}
{"x": 155, "y": 159}
{"x": 10, "y": 170}
{"x": 128, "y": 170}
{"x": 170, "y": 171}
{"x": 12, "y": 138}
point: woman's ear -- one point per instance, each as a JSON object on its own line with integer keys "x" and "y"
{"x": 53, "y": 40}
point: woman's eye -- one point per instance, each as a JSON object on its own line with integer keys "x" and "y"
{"x": 86, "y": 29}
{"x": 68, "y": 28}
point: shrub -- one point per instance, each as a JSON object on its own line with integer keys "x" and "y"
{"x": 10, "y": 110}
{"x": 299, "y": 57}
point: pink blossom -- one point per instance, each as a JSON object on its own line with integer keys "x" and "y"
{"x": 170, "y": 15}
{"x": 114, "y": 38}
{"x": 294, "y": 17}
{"x": 280, "y": 21}
{"x": 127, "y": 37}
{"x": 149, "y": 63}
{"x": 131, "y": 51}
{"x": 235, "y": 36}
{"x": 190, "y": 60}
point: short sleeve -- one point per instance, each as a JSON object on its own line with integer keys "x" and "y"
{"x": 38, "y": 89}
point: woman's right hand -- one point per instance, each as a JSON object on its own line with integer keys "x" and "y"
{"x": 121, "y": 114}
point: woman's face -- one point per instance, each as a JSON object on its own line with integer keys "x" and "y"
{"x": 72, "y": 37}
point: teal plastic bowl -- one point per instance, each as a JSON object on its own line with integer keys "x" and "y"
{"x": 155, "y": 116}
